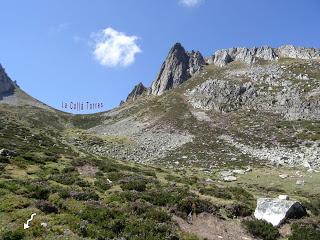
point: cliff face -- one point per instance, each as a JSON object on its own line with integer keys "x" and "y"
{"x": 274, "y": 88}
{"x": 178, "y": 67}
{"x": 6, "y": 84}
{"x": 250, "y": 55}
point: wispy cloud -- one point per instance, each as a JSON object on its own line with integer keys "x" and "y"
{"x": 57, "y": 29}
{"x": 113, "y": 48}
{"x": 190, "y": 3}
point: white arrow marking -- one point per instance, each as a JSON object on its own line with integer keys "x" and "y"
{"x": 26, "y": 225}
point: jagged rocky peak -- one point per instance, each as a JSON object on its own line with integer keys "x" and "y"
{"x": 250, "y": 55}
{"x": 290, "y": 51}
{"x": 137, "y": 91}
{"x": 178, "y": 67}
{"x": 6, "y": 84}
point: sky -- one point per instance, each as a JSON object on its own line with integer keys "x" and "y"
{"x": 96, "y": 51}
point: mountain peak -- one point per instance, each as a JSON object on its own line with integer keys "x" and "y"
{"x": 179, "y": 66}
{"x": 137, "y": 91}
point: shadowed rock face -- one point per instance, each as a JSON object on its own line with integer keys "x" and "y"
{"x": 6, "y": 84}
{"x": 178, "y": 67}
{"x": 137, "y": 91}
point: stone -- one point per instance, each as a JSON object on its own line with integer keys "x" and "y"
{"x": 283, "y": 197}
{"x": 300, "y": 182}
{"x": 226, "y": 173}
{"x": 209, "y": 180}
{"x": 109, "y": 181}
{"x": 230, "y": 179}
{"x": 283, "y": 176}
{"x": 239, "y": 171}
{"x": 276, "y": 211}
{"x": 7, "y": 153}
{"x": 43, "y": 224}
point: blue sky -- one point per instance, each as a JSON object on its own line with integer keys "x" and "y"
{"x": 50, "y": 46}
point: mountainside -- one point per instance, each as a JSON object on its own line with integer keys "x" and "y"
{"x": 210, "y": 136}
{"x": 6, "y": 84}
{"x": 12, "y": 94}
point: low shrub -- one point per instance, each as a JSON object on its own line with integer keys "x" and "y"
{"x": 305, "y": 232}
{"x": 261, "y": 229}
{"x": 46, "y": 207}
{"x": 216, "y": 192}
{"x": 134, "y": 184}
{"x": 13, "y": 235}
{"x": 313, "y": 205}
{"x": 86, "y": 195}
{"x": 102, "y": 184}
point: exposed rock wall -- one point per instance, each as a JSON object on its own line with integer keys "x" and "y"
{"x": 178, "y": 67}
{"x": 250, "y": 55}
{"x": 221, "y": 95}
{"x": 268, "y": 88}
{"x": 290, "y": 51}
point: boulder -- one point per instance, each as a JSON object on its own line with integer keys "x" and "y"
{"x": 239, "y": 171}
{"x": 276, "y": 211}
{"x": 226, "y": 173}
{"x": 283, "y": 197}
{"x": 283, "y": 176}
{"x": 230, "y": 179}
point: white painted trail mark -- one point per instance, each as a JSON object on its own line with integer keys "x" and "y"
{"x": 26, "y": 225}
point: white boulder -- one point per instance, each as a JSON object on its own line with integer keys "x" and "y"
{"x": 283, "y": 197}
{"x": 230, "y": 179}
{"x": 276, "y": 211}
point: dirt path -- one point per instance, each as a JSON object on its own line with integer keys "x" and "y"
{"x": 210, "y": 227}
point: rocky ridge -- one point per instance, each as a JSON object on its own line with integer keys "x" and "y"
{"x": 251, "y": 55}
{"x": 180, "y": 65}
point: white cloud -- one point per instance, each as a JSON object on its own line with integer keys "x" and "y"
{"x": 190, "y": 3}
{"x": 113, "y": 48}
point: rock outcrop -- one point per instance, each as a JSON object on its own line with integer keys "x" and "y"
{"x": 6, "y": 84}
{"x": 276, "y": 211}
{"x": 137, "y": 91}
{"x": 178, "y": 67}
{"x": 247, "y": 55}
{"x": 250, "y": 55}
{"x": 290, "y": 51}
{"x": 269, "y": 88}
{"x": 221, "y": 95}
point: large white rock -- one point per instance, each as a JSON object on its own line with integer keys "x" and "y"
{"x": 276, "y": 211}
